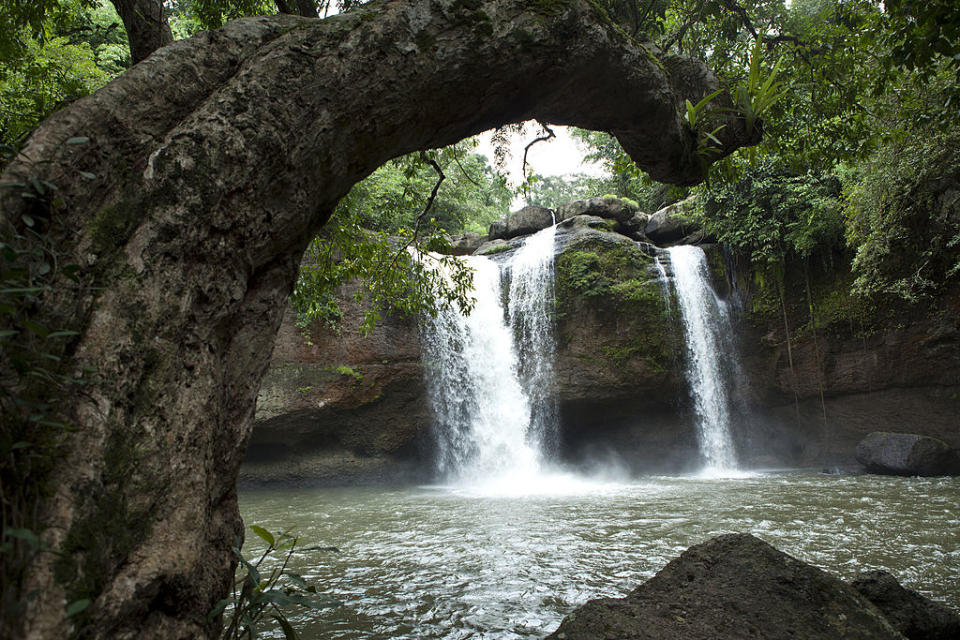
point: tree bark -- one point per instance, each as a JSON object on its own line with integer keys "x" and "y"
{"x": 215, "y": 161}
{"x": 146, "y": 25}
{"x": 305, "y": 8}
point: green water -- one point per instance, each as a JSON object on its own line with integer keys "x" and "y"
{"x": 511, "y": 561}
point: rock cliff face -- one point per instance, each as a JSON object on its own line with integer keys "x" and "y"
{"x": 618, "y": 369}
{"x": 336, "y": 406}
{"x": 846, "y": 372}
{"x": 341, "y": 408}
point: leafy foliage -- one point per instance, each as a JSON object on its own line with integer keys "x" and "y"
{"x": 903, "y": 210}
{"x": 922, "y": 34}
{"x": 771, "y": 214}
{"x": 266, "y": 587}
{"x": 625, "y": 179}
{"x": 81, "y": 48}
{"x": 552, "y": 191}
{"x": 469, "y": 199}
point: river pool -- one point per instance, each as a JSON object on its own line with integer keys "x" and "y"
{"x": 510, "y": 561}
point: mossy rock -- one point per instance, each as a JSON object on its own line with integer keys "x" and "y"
{"x": 608, "y": 287}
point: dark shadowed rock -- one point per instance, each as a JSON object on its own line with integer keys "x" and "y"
{"x": 498, "y": 230}
{"x": 672, "y": 223}
{"x": 907, "y": 454}
{"x": 699, "y": 236}
{"x": 577, "y": 225}
{"x": 338, "y": 407}
{"x": 635, "y": 226}
{"x": 520, "y": 223}
{"x": 467, "y": 243}
{"x": 609, "y": 207}
{"x": 911, "y": 614}
{"x": 618, "y": 350}
{"x": 731, "y": 588}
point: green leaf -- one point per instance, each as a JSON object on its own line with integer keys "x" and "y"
{"x": 265, "y": 535}
{"x": 63, "y": 334}
{"x": 298, "y": 580}
{"x": 77, "y": 606}
{"x": 280, "y": 599}
{"x": 38, "y": 329}
{"x": 88, "y": 175}
{"x": 252, "y": 573}
{"x": 218, "y": 608}
{"x": 78, "y": 140}
{"x": 22, "y": 290}
{"x": 24, "y": 534}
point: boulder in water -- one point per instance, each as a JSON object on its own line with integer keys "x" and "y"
{"x": 907, "y": 454}
{"x": 498, "y": 230}
{"x": 609, "y": 207}
{"x": 911, "y": 614}
{"x": 729, "y": 588}
{"x": 519, "y": 223}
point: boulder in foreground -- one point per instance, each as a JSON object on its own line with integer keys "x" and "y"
{"x": 733, "y": 587}
{"x": 907, "y": 454}
{"x": 910, "y": 613}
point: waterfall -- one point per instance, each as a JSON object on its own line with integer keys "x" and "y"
{"x": 708, "y": 333}
{"x": 530, "y": 304}
{"x": 489, "y": 373}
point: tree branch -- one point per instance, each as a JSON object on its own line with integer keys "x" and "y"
{"x": 549, "y": 135}
{"x": 423, "y": 214}
{"x": 466, "y": 175}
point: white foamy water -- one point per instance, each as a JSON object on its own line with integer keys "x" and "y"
{"x": 707, "y": 330}
{"x": 480, "y": 409}
{"x": 490, "y": 374}
{"x": 530, "y": 303}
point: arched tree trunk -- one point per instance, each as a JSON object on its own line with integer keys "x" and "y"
{"x": 215, "y": 161}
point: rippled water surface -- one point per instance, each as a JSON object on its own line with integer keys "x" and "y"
{"x": 510, "y": 562}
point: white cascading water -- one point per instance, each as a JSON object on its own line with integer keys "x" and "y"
{"x": 707, "y": 330}
{"x": 493, "y": 408}
{"x": 529, "y": 304}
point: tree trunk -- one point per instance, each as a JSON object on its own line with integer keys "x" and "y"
{"x": 215, "y": 161}
{"x": 305, "y": 8}
{"x": 146, "y": 25}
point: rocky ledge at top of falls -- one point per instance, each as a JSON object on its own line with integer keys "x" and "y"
{"x": 736, "y": 586}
